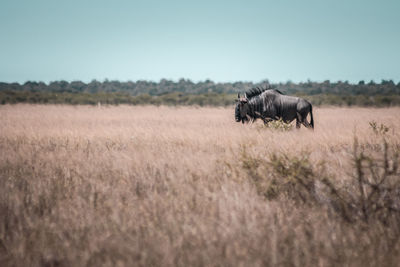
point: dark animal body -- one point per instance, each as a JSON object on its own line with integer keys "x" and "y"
{"x": 271, "y": 104}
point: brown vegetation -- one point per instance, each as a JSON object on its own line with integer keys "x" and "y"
{"x": 186, "y": 186}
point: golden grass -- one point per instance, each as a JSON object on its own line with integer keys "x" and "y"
{"x": 164, "y": 186}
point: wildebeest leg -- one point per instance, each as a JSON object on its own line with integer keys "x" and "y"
{"x": 305, "y": 122}
{"x": 298, "y": 120}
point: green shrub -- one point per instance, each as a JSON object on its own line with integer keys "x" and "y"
{"x": 281, "y": 176}
{"x": 278, "y": 125}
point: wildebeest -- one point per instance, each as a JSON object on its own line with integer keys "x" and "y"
{"x": 271, "y": 104}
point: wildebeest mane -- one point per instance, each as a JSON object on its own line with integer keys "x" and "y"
{"x": 255, "y": 91}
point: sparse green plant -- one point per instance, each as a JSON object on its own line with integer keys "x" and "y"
{"x": 378, "y": 129}
{"x": 277, "y": 125}
{"x": 294, "y": 176}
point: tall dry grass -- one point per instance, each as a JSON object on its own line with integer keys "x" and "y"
{"x": 163, "y": 186}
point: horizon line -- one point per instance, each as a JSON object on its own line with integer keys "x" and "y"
{"x": 205, "y": 80}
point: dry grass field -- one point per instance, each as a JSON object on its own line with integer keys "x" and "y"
{"x": 186, "y": 186}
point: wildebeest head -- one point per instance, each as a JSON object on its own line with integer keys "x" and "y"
{"x": 242, "y": 107}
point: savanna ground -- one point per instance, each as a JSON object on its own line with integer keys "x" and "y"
{"x": 186, "y": 186}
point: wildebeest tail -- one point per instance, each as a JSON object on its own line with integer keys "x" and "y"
{"x": 312, "y": 119}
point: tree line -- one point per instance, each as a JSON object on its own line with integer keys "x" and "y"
{"x": 186, "y": 92}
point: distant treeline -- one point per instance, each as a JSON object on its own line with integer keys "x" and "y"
{"x": 172, "y": 99}
{"x": 175, "y": 98}
{"x": 186, "y": 92}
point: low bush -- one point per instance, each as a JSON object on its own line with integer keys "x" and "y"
{"x": 370, "y": 193}
{"x": 277, "y": 125}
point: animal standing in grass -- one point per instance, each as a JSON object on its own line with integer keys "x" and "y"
{"x": 271, "y": 104}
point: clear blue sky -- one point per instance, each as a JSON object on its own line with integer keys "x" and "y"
{"x": 47, "y": 40}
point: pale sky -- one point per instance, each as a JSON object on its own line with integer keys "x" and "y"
{"x": 225, "y": 41}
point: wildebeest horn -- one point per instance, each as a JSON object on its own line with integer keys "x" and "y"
{"x": 238, "y": 95}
